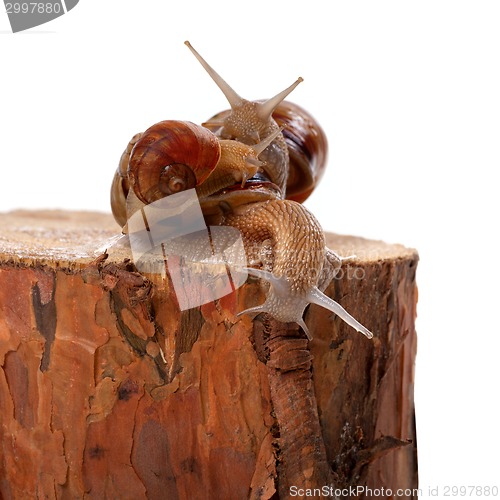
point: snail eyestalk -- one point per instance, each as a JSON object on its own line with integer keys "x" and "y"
{"x": 288, "y": 307}
{"x": 265, "y": 109}
{"x": 262, "y": 145}
{"x": 233, "y": 98}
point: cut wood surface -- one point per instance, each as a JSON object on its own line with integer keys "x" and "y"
{"x": 107, "y": 390}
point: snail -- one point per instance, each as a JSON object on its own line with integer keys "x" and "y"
{"x": 252, "y": 166}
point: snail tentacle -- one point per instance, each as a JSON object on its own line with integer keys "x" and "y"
{"x": 281, "y": 299}
{"x": 232, "y": 97}
{"x": 237, "y": 164}
{"x": 331, "y": 267}
{"x": 316, "y": 296}
{"x": 266, "y": 109}
{"x": 302, "y": 264}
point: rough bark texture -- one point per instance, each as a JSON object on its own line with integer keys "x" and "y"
{"x": 108, "y": 391}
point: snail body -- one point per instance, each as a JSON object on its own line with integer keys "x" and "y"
{"x": 303, "y": 266}
{"x": 303, "y": 150}
{"x": 296, "y": 159}
{"x": 252, "y": 166}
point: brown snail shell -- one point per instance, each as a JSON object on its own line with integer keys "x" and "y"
{"x": 119, "y": 191}
{"x": 171, "y": 156}
{"x": 120, "y": 185}
{"x": 307, "y": 149}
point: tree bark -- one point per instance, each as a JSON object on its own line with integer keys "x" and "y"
{"x": 107, "y": 390}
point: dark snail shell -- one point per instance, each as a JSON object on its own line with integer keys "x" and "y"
{"x": 307, "y": 149}
{"x": 171, "y": 156}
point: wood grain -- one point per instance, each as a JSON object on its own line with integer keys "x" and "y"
{"x": 107, "y": 390}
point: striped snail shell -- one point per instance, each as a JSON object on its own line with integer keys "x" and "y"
{"x": 120, "y": 185}
{"x": 169, "y": 157}
{"x": 307, "y": 149}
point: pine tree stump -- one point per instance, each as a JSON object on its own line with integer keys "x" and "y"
{"x": 107, "y": 390}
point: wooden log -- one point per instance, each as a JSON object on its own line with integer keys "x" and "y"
{"x": 107, "y": 390}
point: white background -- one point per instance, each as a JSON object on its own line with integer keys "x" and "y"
{"x": 409, "y": 95}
